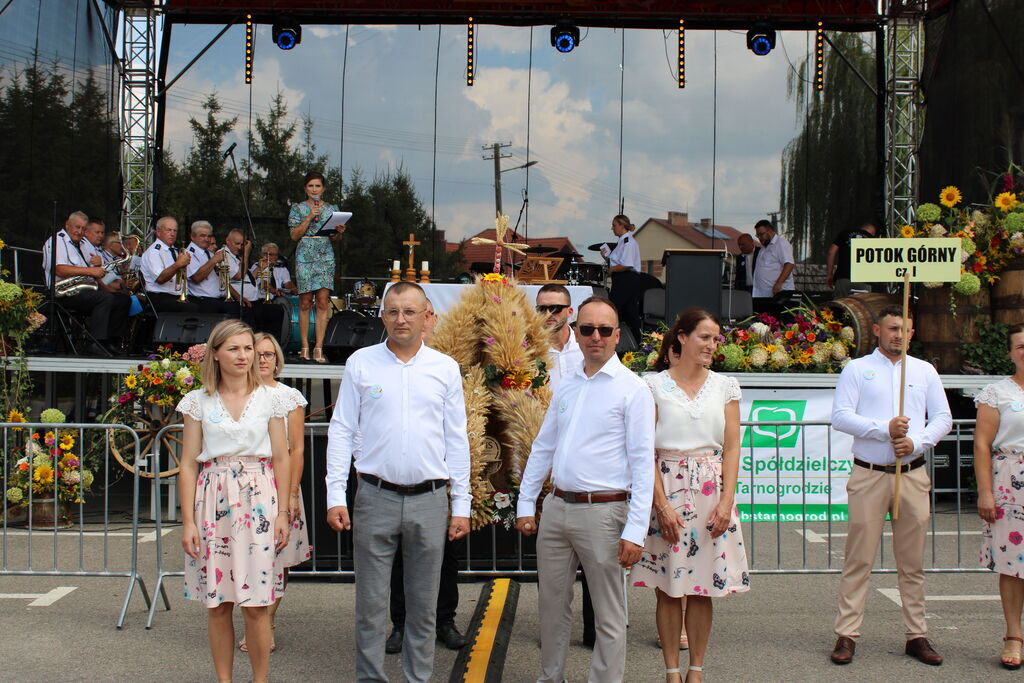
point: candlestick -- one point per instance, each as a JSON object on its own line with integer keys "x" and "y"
{"x": 395, "y": 265}
{"x": 424, "y": 266}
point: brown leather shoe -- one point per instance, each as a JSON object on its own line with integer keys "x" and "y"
{"x": 843, "y": 652}
{"x": 922, "y": 649}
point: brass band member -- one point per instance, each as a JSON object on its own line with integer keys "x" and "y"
{"x": 263, "y": 317}
{"x": 161, "y": 264}
{"x": 107, "y": 311}
{"x": 204, "y": 282}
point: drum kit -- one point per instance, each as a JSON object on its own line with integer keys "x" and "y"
{"x": 572, "y": 271}
{"x": 363, "y": 300}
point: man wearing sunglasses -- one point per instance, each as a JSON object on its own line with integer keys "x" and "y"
{"x": 597, "y": 443}
{"x": 554, "y": 302}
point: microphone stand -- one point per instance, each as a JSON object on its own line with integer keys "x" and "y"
{"x": 252, "y": 233}
{"x": 511, "y": 258}
{"x": 51, "y": 297}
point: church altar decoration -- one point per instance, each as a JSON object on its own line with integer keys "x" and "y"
{"x": 501, "y": 346}
{"x": 146, "y": 398}
{"x": 815, "y": 341}
{"x": 992, "y": 234}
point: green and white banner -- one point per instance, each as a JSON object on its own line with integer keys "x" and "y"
{"x": 788, "y": 472}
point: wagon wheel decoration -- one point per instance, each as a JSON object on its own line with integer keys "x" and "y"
{"x": 148, "y": 425}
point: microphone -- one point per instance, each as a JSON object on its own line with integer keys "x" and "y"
{"x": 230, "y": 150}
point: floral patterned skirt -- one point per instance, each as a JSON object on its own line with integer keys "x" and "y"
{"x": 314, "y": 264}
{"x": 697, "y": 564}
{"x": 1002, "y": 542}
{"x": 298, "y": 549}
{"x": 236, "y": 505}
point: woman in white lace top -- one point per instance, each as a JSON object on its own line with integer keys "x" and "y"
{"x": 234, "y": 471}
{"x": 999, "y": 469}
{"x": 694, "y": 549}
{"x": 270, "y": 362}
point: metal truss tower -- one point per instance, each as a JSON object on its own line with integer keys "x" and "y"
{"x": 904, "y": 119}
{"x": 138, "y": 113}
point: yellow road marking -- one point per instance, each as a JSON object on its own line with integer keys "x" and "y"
{"x": 480, "y": 656}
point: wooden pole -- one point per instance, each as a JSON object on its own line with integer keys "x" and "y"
{"x": 903, "y": 387}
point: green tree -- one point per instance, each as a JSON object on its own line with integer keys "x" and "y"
{"x": 275, "y": 165}
{"x": 830, "y": 174}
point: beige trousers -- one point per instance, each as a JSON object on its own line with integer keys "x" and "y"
{"x": 870, "y": 496}
{"x": 571, "y": 534}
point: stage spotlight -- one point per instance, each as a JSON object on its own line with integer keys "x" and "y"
{"x": 819, "y": 58}
{"x": 287, "y": 33}
{"x": 248, "y": 48}
{"x": 761, "y": 39}
{"x": 682, "y": 53}
{"x": 565, "y": 36}
{"x": 470, "y": 45}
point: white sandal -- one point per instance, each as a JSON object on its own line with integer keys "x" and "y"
{"x": 699, "y": 669}
{"x": 669, "y": 672}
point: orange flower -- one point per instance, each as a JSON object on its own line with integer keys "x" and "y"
{"x": 789, "y": 334}
{"x": 811, "y": 337}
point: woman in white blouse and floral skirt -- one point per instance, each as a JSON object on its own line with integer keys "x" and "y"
{"x": 999, "y": 469}
{"x": 694, "y": 550}
{"x": 234, "y": 475}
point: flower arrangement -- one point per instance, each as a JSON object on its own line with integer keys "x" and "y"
{"x": 163, "y": 380}
{"x": 18, "y": 315}
{"x": 990, "y": 235}
{"x": 500, "y": 343}
{"x": 50, "y": 467}
{"x": 815, "y": 341}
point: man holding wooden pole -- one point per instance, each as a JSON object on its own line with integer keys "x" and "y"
{"x": 896, "y": 410}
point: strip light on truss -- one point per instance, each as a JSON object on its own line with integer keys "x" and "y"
{"x": 470, "y": 44}
{"x": 819, "y": 58}
{"x": 682, "y": 53}
{"x": 248, "y": 48}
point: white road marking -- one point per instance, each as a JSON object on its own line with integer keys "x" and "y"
{"x": 40, "y": 599}
{"x": 894, "y": 595}
{"x": 815, "y": 537}
{"x": 147, "y": 537}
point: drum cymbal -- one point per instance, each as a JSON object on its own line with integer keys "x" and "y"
{"x": 566, "y": 254}
{"x": 597, "y": 246}
{"x": 539, "y": 249}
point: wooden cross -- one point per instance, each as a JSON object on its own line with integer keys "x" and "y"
{"x": 410, "y": 273}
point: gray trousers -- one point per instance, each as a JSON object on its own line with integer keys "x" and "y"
{"x": 571, "y": 534}
{"x": 381, "y": 518}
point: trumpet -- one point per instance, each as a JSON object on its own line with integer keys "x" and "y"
{"x": 224, "y": 274}
{"x": 263, "y": 279}
{"x": 181, "y": 283}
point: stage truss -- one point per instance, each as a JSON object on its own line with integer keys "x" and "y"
{"x": 902, "y": 21}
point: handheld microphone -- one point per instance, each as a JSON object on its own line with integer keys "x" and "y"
{"x": 230, "y": 150}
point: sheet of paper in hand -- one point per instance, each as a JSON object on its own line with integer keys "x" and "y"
{"x": 331, "y": 226}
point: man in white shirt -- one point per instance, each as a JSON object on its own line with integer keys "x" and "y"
{"x": 281, "y": 286}
{"x": 597, "y": 443}
{"x": 401, "y": 416}
{"x": 161, "y": 264}
{"x": 866, "y": 406}
{"x": 262, "y": 316}
{"x": 107, "y": 311}
{"x": 773, "y": 274}
{"x": 93, "y": 237}
{"x": 624, "y": 266}
{"x": 554, "y": 302}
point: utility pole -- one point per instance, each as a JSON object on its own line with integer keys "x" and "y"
{"x": 497, "y": 156}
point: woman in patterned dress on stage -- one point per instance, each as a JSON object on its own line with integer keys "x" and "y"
{"x": 999, "y": 470}
{"x": 270, "y": 360}
{"x": 695, "y": 547}
{"x": 314, "y": 261}
{"x": 234, "y": 471}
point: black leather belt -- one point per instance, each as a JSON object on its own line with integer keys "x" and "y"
{"x": 405, "y": 490}
{"x": 588, "y": 497}
{"x": 890, "y": 469}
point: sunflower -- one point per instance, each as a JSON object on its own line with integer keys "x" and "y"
{"x": 493, "y": 277}
{"x": 15, "y": 416}
{"x": 43, "y": 474}
{"x": 67, "y": 442}
{"x": 627, "y": 359}
{"x": 130, "y": 381}
{"x": 950, "y": 196}
{"x": 907, "y": 231}
{"x": 1006, "y": 201}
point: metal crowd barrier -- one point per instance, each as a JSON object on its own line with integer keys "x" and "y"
{"x": 62, "y": 546}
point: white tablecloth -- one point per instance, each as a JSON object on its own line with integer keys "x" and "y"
{"x": 446, "y": 296}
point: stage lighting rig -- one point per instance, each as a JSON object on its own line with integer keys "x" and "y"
{"x": 819, "y": 58}
{"x": 470, "y": 46}
{"x": 761, "y": 39}
{"x": 565, "y": 36}
{"x": 681, "y": 66}
{"x": 287, "y": 33}
{"x": 248, "y": 48}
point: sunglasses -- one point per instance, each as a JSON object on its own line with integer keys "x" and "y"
{"x": 554, "y": 309}
{"x": 588, "y": 330}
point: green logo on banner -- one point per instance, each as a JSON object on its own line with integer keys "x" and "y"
{"x": 783, "y": 436}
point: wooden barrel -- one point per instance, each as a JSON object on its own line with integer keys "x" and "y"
{"x": 862, "y": 309}
{"x": 941, "y": 332}
{"x": 1008, "y": 294}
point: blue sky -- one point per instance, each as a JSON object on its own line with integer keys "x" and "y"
{"x": 574, "y": 113}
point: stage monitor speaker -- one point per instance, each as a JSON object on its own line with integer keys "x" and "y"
{"x": 693, "y": 277}
{"x": 348, "y": 331}
{"x": 185, "y": 329}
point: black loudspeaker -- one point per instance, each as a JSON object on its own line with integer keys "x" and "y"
{"x": 348, "y": 331}
{"x": 185, "y": 329}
